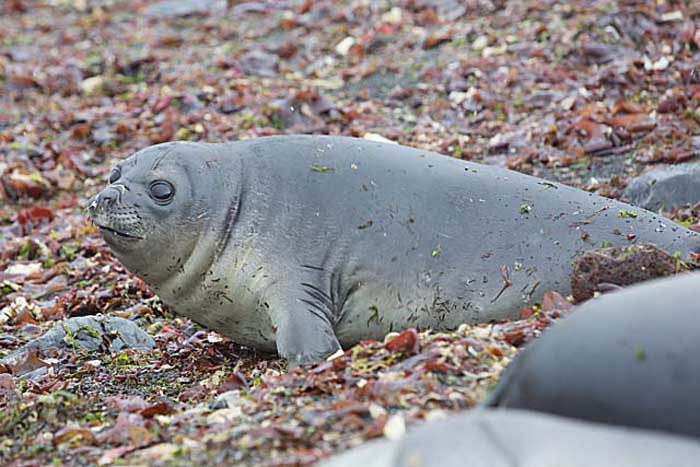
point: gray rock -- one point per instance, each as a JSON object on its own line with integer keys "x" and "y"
{"x": 259, "y": 63}
{"x": 506, "y": 438}
{"x": 667, "y": 187}
{"x": 226, "y": 400}
{"x": 448, "y": 10}
{"x": 179, "y": 8}
{"x": 89, "y": 333}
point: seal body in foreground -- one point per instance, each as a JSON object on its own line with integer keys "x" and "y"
{"x": 300, "y": 243}
{"x": 627, "y": 358}
{"x": 506, "y": 438}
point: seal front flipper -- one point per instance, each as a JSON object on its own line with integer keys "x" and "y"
{"x": 303, "y": 328}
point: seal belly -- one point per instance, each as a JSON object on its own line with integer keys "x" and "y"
{"x": 396, "y": 301}
{"x": 228, "y": 299}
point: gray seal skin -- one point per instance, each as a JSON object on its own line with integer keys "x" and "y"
{"x": 299, "y": 243}
{"x": 627, "y": 358}
{"x": 508, "y": 438}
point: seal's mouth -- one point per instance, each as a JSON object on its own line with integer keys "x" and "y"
{"x": 118, "y": 233}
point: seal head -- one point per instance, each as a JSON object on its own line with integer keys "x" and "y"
{"x": 152, "y": 209}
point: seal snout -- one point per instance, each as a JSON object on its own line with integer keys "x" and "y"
{"x": 106, "y": 198}
{"x": 113, "y": 217}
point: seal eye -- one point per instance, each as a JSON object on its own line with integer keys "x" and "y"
{"x": 162, "y": 191}
{"x": 115, "y": 175}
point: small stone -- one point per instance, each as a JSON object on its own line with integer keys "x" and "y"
{"x": 377, "y": 138}
{"x": 157, "y": 453}
{"x": 661, "y": 64}
{"x": 182, "y": 8}
{"x": 93, "y": 86}
{"x": 20, "y": 306}
{"x": 226, "y": 400}
{"x": 493, "y": 51}
{"x": 103, "y": 135}
{"x": 259, "y": 63}
{"x": 395, "y": 427}
{"x": 480, "y": 43}
{"x": 338, "y": 353}
{"x": 458, "y": 97}
{"x": 343, "y": 47}
{"x": 676, "y": 15}
{"x": 224, "y": 415}
{"x": 392, "y": 16}
{"x": 376, "y": 411}
{"x": 23, "y": 269}
{"x": 214, "y": 338}
{"x": 568, "y": 103}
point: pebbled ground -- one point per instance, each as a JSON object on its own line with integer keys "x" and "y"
{"x": 589, "y": 92}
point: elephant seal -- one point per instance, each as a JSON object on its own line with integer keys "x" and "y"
{"x": 627, "y": 358}
{"x": 505, "y": 438}
{"x": 303, "y": 243}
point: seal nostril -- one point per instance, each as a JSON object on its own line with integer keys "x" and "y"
{"x": 108, "y": 197}
{"x": 93, "y": 204}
